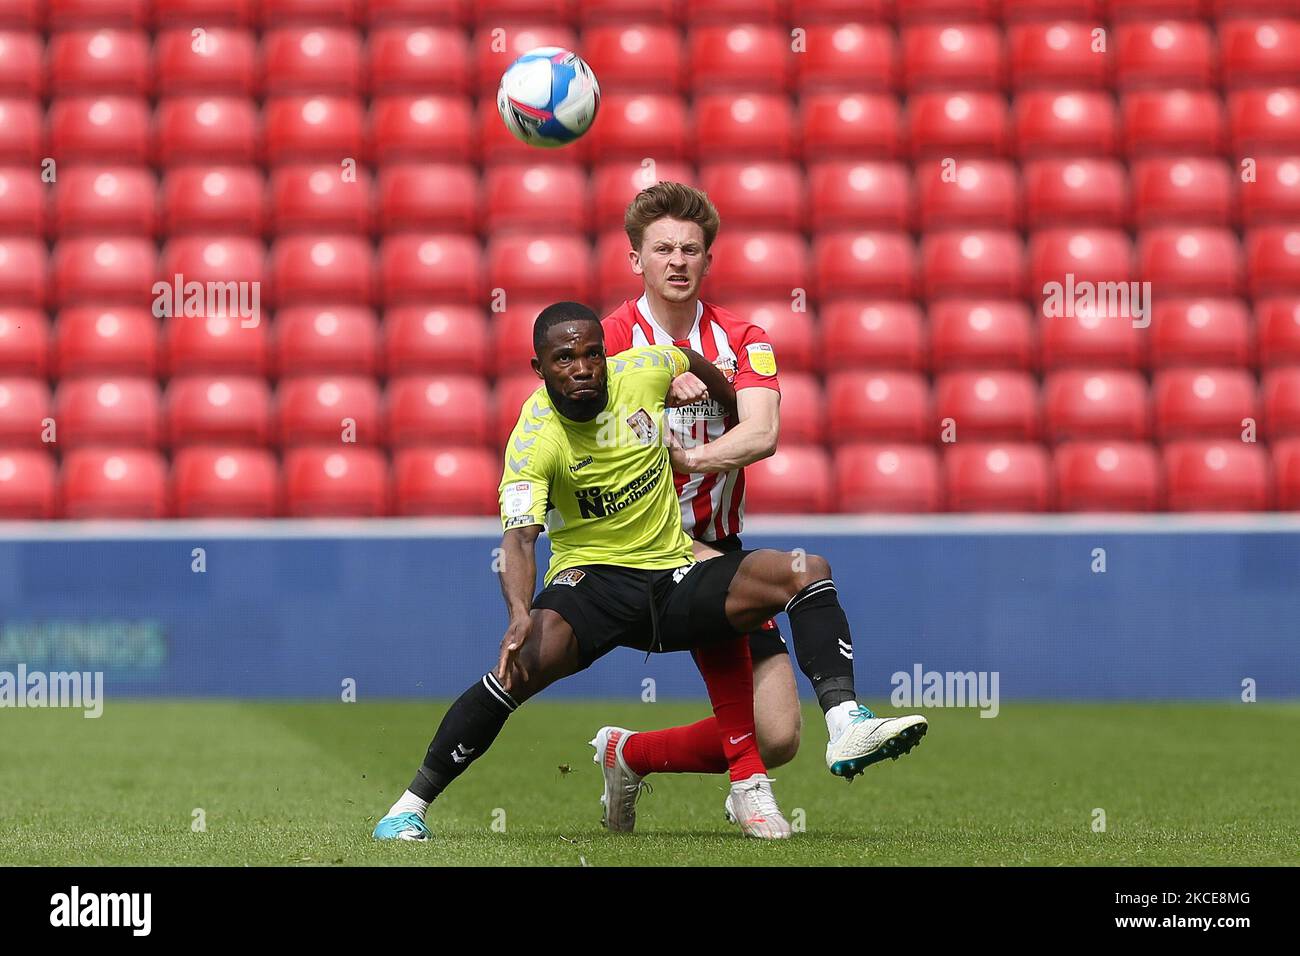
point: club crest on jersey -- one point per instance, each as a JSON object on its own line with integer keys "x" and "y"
{"x": 570, "y": 578}
{"x": 643, "y": 427}
{"x": 761, "y": 358}
{"x": 727, "y": 366}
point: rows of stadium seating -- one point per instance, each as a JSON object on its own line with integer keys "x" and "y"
{"x": 894, "y": 197}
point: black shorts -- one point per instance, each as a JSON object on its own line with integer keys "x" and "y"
{"x": 767, "y": 640}
{"x": 672, "y": 610}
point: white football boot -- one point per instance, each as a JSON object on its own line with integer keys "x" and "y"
{"x": 622, "y": 786}
{"x": 752, "y": 806}
{"x": 867, "y": 739}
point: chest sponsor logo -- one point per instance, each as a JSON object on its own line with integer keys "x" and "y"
{"x": 599, "y": 503}
{"x": 569, "y": 578}
{"x": 761, "y": 358}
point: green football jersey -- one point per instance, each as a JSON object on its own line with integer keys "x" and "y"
{"x": 603, "y": 489}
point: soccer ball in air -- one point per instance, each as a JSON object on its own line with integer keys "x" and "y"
{"x": 548, "y": 97}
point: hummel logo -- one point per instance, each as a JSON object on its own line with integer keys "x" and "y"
{"x": 582, "y": 464}
{"x": 736, "y": 740}
{"x": 461, "y": 753}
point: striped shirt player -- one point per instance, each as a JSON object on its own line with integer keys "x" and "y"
{"x": 713, "y": 505}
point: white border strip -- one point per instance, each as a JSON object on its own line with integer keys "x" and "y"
{"x": 798, "y": 526}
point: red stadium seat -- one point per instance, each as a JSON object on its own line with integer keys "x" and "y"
{"x": 534, "y": 197}
{"x": 422, "y": 129}
{"x": 72, "y": 14}
{"x": 1106, "y": 476}
{"x": 803, "y": 405}
{"x": 494, "y": 46}
{"x": 988, "y": 404}
{"x": 24, "y": 14}
{"x": 757, "y": 195}
{"x": 977, "y": 193}
{"x": 979, "y": 334}
{"x": 219, "y": 259}
{"x": 1015, "y": 11}
{"x": 1092, "y": 337}
{"x": 1193, "y": 191}
{"x": 878, "y": 406}
{"x": 1286, "y": 467}
{"x": 638, "y": 126}
{"x": 24, "y": 269}
{"x": 544, "y": 265}
{"x": 105, "y": 200}
{"x": 1200, "y": 332}
{"x": 746, "y": 126}
{"x": 623, "y": 11}
{"x": 98, "y": 62}
{"x": 214, "y": 129}
{"x": 24, "y": 341}
{"x": 25, "y": 410}
{"x": 952, "y": 56}
{"x": 918, "y": 11}
{"x": 277, "y": 13}
{"x": 414, "y": 267}
{"x": 1203, "y": 402}
{"x": 1274, "y": 197}
{"x": 1217, "y": 476}
{"x": 847, "y": 57}
{"x": 216, "y": 344}
{"x": 1172, "y": 122}
{"x": 1277, "y": 322}
{"x": 326, "y": 340}
{"x": 428, "y": 196}
{"x": 331, "y": 410}
{"x": 1075, "y": 192}
{"x": 437, "y": 410}
{"x": 973, "y": 262}
{"x": 876, "y": 264}
{"x": 107, "y": 410}
{"x": 335, "y": 481}
{"x": 738, "y": 57}
{"x": 21, "y": 68}
{"x": 851, "y": 126}
{"x": 1096, "y": 404}
{"x": 1258, "y": 52}
{"x": 793, "y": 334}
{"x": 758, "y": 263}
{"x": 615, "y": 184}
{"x": 403, "y": 59}
{"x": 115, "y": 483}
{"x": 100, "y": 129}
{"x": 445, "y": 481}
{"x": 435, "y": 339}
{"x": 27, "y": 485}
{"x": 1190, "y": 261}
{"x": 1055, "y": 54}
{"x": 105, "y": 271}
{"x": 91, "y": 340}
{"x": 182, "y": 13}
{"x": 865, "y": 333}
{"x": 887, "y": 478}
{"x": 22, "y": 131}
{"x": 218, "y": 410}
{"x": 311, "y": 60}
{"x": 22, "y": 201}
{"x": 224, "y": 482}
{"x": 1264, "y": 120}
{"x": 614, "y": 279}
{"x": 1151, "y": 9}
{"x": 315, "y": 197}
{"x": 221, "y": 60}
{"x": 1095, "y": 255}
{"x": 844, "y": 195}
{"x": 1273, "y": 260}
{"x": 731, "y": 11}
{"x": 996, "y": 476}
{"x": 325, "y": 128}
{"x": 840, "y": 11}
{"x": 795, "y": 480}
{"x": 1066, "y": 125}
{"x": 323, "y": 268}
{"x": 1164, "y": 54}
{"x": 1280, "y": 398}
{"x": 508, "y": 397}
{"x": 383, "y": 12}
{"x": 968, "y": 124}
{"x": 512, "y": 335}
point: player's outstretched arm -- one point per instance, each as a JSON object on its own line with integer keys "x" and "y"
{"x": 518, "y": 578}
{"x": 713, "y": 379}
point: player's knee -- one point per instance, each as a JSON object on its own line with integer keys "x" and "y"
{"x": 814, "y": 568}
{"x": 779, "y": 745}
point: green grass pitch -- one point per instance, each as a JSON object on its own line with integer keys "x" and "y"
{"x": 304, "y": 783}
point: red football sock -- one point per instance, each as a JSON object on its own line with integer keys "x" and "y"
{"x": 726, "y": 741}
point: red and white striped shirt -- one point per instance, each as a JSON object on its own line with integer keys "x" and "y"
{"x": 713, "y": 506}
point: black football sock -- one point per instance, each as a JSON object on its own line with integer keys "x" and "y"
{"x": 467, "y": 730}
{"x": 822, "y": 643}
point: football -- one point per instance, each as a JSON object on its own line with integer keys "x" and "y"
{"x": 548, "y": 97}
